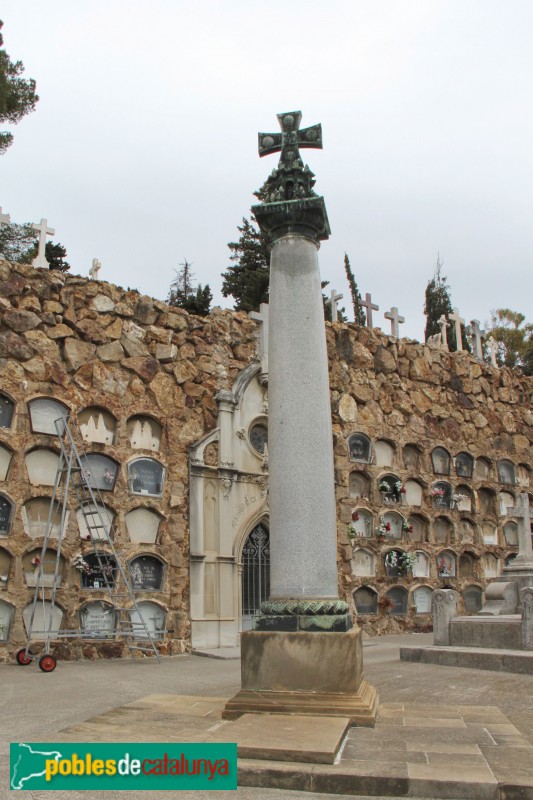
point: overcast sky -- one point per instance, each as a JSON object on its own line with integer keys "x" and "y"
{"x": 143, "y": 147}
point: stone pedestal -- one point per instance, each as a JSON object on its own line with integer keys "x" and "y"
{"x": 304, "y": 673}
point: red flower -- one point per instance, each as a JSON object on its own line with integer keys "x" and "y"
{"x": 410, "y": 529}
{"x": 402, "y": 490}
{"x": 355, "y": 516}
{"x": 387, "y": 526}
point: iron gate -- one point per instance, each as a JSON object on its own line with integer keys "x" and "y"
{"x": 255, "y": 571}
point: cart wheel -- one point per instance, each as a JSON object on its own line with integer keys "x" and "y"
{"x": 22, "y": 658}
{"x": 47, "y": 663}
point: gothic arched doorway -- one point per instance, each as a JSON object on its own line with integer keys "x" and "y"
{"x": 255, "y": 573}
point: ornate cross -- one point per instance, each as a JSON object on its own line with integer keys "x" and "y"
{"x": 443, "y": 332}
{"x": 395, "y": 321}
{"x": 458, "y": 322}
{"x": 477, "y": 336}
{"x": 40, "y": 259}
{"x": 334, "y": 298}
{"x": 369, "y": 306}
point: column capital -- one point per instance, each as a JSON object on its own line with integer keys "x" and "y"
{"x": 304, "y": 217}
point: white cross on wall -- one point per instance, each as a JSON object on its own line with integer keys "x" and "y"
{"x": 334, "y": 298}
{"x": 369, "y": 307}
{"x": 477, "y": 336}
{"x": 95, "y": 269}
{"x": 40, "y": 259}
{"x": 4, "y": 218}
{"x": 458, "y": 322}
{"x": 492, "y": 349}
{"x": 395, "y": 321}
{"x": 443, "y": 332}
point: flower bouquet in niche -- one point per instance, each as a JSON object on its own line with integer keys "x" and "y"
{"x": 383, "y": 529}
{"x": 385, "y": 604}
{"x": 81, "y": 565}
{"x": 402, "y": 562}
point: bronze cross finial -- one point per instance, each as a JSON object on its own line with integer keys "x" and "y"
{"x": 290, "y": 138}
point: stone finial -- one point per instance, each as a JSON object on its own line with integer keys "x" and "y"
{"x": 477, "y": 335}
{"x": 369, "y": 306}
{"x": 40, "y": 260}
{"x": 95, "y": 269}
{"x": 395, "y": 321}
{"x": 492, "y": 349}
{"x": 333, "y": 299}
{"x": 443, "y": 322}
{"x": 456, "y": 319}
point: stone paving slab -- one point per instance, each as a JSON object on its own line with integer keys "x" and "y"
{"x": 520, "y": 661}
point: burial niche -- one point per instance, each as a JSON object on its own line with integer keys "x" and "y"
{"x": 154, "y": 618}
{"x": 100, "y": 471}
{"x": 489, "y": 533}
{"x": 6, "y": 618}
{"x": 466, "y": 531}
{"x": 462, "y": 498}
{"x": 417, "y": 528}
{"x": 142, "y": 525}
{"x": 144, "y": 433}
{"x": 481, "y": 469}
{"x": 399, "y": 597}
{"x": 41, "y": 466}
{"x": 384, "y": 453}
{"x": 422, "y": 596}
{"x": 45, "y": 618}
{"x": 5, "y": 567}
{"x": 98, "y": 620}
{"x": 490, "y": 565}
{"x": 366, "y": 600}
{"x": 413, "y": 493}
{"x": 442, "y": 530}
{"x": 31, "y": 563}
{"x": 5, "y": 460}
{"x": 441, "y": 493}
{"x": 146, "y": 476}
{"x": 411, "y": 457}
{"x": 394, "y": 563}
{"x": 95, "y": 521}
{"x": 146, "y": 573}
{"x": 35, "y": 516}
{"x": 394, "y": 524}
{"x": 464, "y": 465}
{"x": 358, "y": 486}
{"x": 510, "y": 531}
{"x": 420, "y": 568}
{"x": 363, "y": 563}
{"x": 506, "y": 471}
{"x": 362, "y": 523}
{"x": 522, "y": 475}
{"x": 506, "y": 503}
{"x": 440, "y": 458}
{"x": 7, "y": 408}
{"x": 44, "y": 412}
{"x": 472, "y": 599}
{"x": 446, "y": 564}
{"x": 487, "y": 501}
{"x": 359, "y": 448}
{"x": 98, "y": 570}
{"x": 467, "y": 566}
{"x": 97, "y": 425}
{"x": 391, "y": 488}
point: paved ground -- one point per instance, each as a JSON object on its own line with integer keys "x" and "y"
{"x": 36, "y": 706}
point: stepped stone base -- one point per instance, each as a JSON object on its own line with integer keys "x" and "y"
{"x": 503, "y": 632}
{"x": 304, "y": 673}
{"x": 520, "y": 661}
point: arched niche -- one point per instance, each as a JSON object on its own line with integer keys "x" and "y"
{"x": 97, "y": 425}
{"x": 442, "y": 493}
{"x": 472, "y": 599}
{"x": 144, "y": 433}
{"x": 440, "y": 459}
{"x": 422, "y": 597}
{"x": 100, "y": 471}
{"x": 6, "y": 456}
{"x": 418, "y": 526}
{"x": 154, "y": 617}
{"x": 362, "y": 522}
{"x": 35, "y": 516}
{"x": 358, "y": 486}
{"x": 510, "y": 531}
{"x": 30, "y": 567}
{"x": 384, "y": 452}
{"x": 146, "y": 573}
{"x": 393, "y": 563}
{"x": 6, "y": 515}
{"x": 363, "y": 563}
{"x": 490, "y": 565}
{"x": 466, "y": 531}
{"x": 446, "y": 564}
{"x": 45, "y": 619}
{"x": 463, "y": 498}
{"x": 5, "y": 567}
{"x": 146, "y": 476}
{"x": 464, "y": 465}
{"x": 142, "y": 525}
{"x": 506, "y": 502}
{"x": 7, "y": 410}
{"x": 98, "y": 620}
{"x": 366, "y": 600}
{"x": 442, "y": 530}
{"x": 481, "y": 469}
{"x": 420, "y": 568}
{"x": 360, "y": 448}
{"x": 400, "y": 598}
{"x": 41, "y": 466}
{"x": 489, "y": 532}
{"x": 7, "y": 612}
{"x": 467, "y": 566}
{"x": 506, "y": 472}
{"x": 44, "y": 413}
{"x": 413, "y": 493}
{"x": 394, "y": 523}
{"x": 100, "y": 571}
{"x": 411, "y": 457}
{"x": 95, "y": 521}
{"x": 391, "y": 488}
{"x": 523, "y": 475}
{"x": 211, "y": 454}
{"x": 486, "y": 501}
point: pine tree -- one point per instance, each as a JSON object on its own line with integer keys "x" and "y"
{"x": 247, "y": 279}
{"x": 516, "y": 339}
{"x": 359, "y": 316}
{"x": 183, "y": 294}
{"x": 19, "y": 244}
{"x": 438, "y": 302}
{"x": 17, "y": 96}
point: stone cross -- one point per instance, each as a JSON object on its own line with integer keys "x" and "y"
{"x": 458, "y": 322}
{"x": 4, "y": 218}
{"x": 443, "y": 332}
{"x": 369, "y": 306}
{"x": 395, "y": 321}
{"x": 334, "y": 298}
{"x": 40, "y": 259}
{"x": 477, "y": 335}
{"x": 95, "y": 269}
{"x": 492, "y": 349}
{"x": 261, "y": 316}
{"x": 522, "y": 513}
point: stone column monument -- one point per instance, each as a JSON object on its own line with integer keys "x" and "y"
{"x": 303, "y": 656}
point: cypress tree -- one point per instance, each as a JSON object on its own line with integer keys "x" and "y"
{"x": 359, "y": 316}
{"x": 438, "y": 302}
